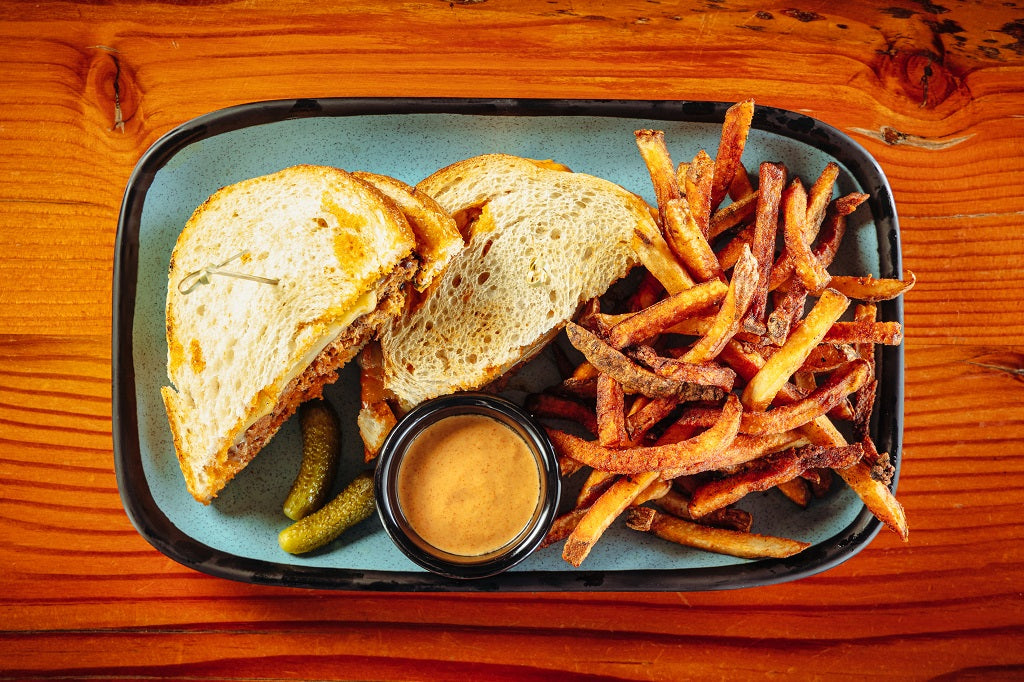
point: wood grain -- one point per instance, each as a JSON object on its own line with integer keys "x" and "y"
{"x": 932, "y": 90}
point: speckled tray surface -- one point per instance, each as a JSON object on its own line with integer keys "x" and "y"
{"x": 236, "y": 536}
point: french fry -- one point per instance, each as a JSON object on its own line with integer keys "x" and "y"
{"x": 563, "y": 525}
{"x": 729, "y": 254}
{"x": 655, "y": 254}
{"x": 796, "y": 491}
{"x": 705, "y": 374}
{"x": 634, "y": 378}
{"x": 647, "y": 293}
{"x": 735, "y": 130}
{"x": 654, "y": 492}
{"x": 559, "y": 407}
{"x": 818, "y": 199}
{"x": 719, "y": 540}
{"x": 826, "y": 357}
{"x": 732, "y": 215}
{"x": 762, "y": 387}
{"x": 789, "y": 307}
{"x": 766, "y": 473}
{"x": 740, "y": 186}
{"x": 677, "y": 504}
{"x": 601, "y": 514}
{"x": 699, "y": 453}
{"x": 685, "y": 236}
{"x": 871, "y": 289}
{"x": 375, "y": 418}
{"x": 595, "y": 485}
{"x": 611, "y": 412}
{"x": 886, "y": 333}
{"x": 812, "y": 275}
{"x": 658, "y": 318}
{"x": 762, "y": 241}
{"x": 738, "y": 298}
{"x": 698, "y": 183}
{"x": 654, "y": 152}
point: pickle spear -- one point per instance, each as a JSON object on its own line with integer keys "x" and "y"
{"x": 352, "y": 505}
{"x": 321, "y": 449}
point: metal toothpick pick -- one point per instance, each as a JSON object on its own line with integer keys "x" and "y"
{"x": 202, "y": 275}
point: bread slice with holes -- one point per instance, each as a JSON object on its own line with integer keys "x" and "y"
{"x": 541, "y": 241}
{"x": 243, "y": 353}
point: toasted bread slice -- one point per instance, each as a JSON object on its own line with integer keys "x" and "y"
{"x": 242, "y": 354}
{"x": 541, "y": 241}
{"x": 437, "y": 238}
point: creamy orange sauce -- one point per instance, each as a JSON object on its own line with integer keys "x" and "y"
{"x": 468, "y": 485}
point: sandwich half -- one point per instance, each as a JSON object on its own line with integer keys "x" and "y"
{"x": 541, "y": 240}
{"x": 274, "y": 283}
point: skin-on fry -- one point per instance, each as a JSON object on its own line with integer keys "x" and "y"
{"x": 789, "y": 307}
{"x": 827, "y": 357}
{"x": 595, "y": 485}
{"x": 647, "y": 293}
{"x": 662, "y": 315}
{"x": 763, "y": 386}
{"x": 676, "y": 503}
{"x": 376, "y": 418}
{"x": 705, "y": 374}
{"x": 634, "y": 378}
{"x": 655, "y": 254}
{"x": 769, "y": 472}
{"x": 812, "y": 275}
{"x": 611, "y": 412}
{"x": 654, "y": 492}
{"x": 732, "y": 215}
{"x": 699, "y": 178}
{"x": 762, "y": 242}
{"x": 796, "y": 491}
{"x": 699, "y": 453}
{"x": 730, "y": 254}
{"x": 735, "y": 129}
{"x": 563, "y": 525}
{"x": 741, "y": 292}
{"x": 831, "y": 235}
{"x": 719, "y": 540}
{"x": 886, "y": 333}
{"x": 871, "y": 289}
{"x": 659, "y": 164}
{"x": 686, "y": 238}
{"x": 818, "y": 199}
{"x": 740, "y": 186}
{"x": 600, "y": 515}
{"x": 558, "y": 407}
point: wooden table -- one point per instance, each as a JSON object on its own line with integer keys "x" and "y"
{"x": 935, "y": 91}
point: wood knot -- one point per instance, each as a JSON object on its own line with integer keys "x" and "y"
{"x": 802, "y": 15}
{"x": 110, "y": 86}
{"x": 919, "y": 74}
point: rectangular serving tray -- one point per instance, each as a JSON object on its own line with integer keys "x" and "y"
{"x": 236, "y": 536}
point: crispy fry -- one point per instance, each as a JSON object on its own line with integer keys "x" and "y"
{"x": 644, "y": 419}
{"x": 647, "y": 293}
{"x": 595, "y": 485}
{"x": 789, "y": 307}
{"x": 826, "y": 357}
{"x": 559, "y": 407}
{"x": 735, "y": 129}
{"x": 740, "y": 186}
{"x": 563, "y": 526}
{"x": 654, "y": 492}
{"x": 659, "y": 164}
{"x": 685, "y": 236}
{"x": 762, "y": 242}
{"x": 796, "y": 491}
{"x": 698, "y": 183}
{"x": 818, "y": 199}
{"x": 763, "y": 387}
{"x": 738, "y": 298}
{"x": 655, "y": 254}
{"x": 375, "y": 419}
{"x": 677, "y": 504}
{"x": 826, "y": 397}
{"x": 720, "y": 540}
{"x": 886, "y": 333}
{"x": 729, "y": 254}
{"x": 699, "y": 453}
{"x": 633, "y": 377}
{"x": 601, "y": 514}
{"x": 658, "y": 318}
{"x": 812, "y": 275}
{"x": 640, "y": 518}
{"x": 871, "y": 289}
{"x": 766, "y": 473}
{"x": 732, "y": 215}
{"x": 743, "y": 449}
{"x": 611, "y": 412}
{"x": 705, "y": 374}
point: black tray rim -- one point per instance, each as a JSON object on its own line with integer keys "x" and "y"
{"x": 154, "y": 526}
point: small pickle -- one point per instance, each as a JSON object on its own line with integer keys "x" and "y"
{"x": 321, "y": 449}
{"x": 352, "y": 505}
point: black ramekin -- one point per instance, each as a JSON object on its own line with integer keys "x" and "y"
{"x": 386, "y": 485}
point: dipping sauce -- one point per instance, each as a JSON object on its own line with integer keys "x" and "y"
{"x": 468, "y": 485}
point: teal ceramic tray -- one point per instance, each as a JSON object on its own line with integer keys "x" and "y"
{"x": 236, "y": 536}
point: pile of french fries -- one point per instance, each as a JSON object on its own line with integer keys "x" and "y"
{"x": 714, "y": 383}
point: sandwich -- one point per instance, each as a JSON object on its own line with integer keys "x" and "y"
{"x": 540, "y": 241}
{"x": 274, "y": 284}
